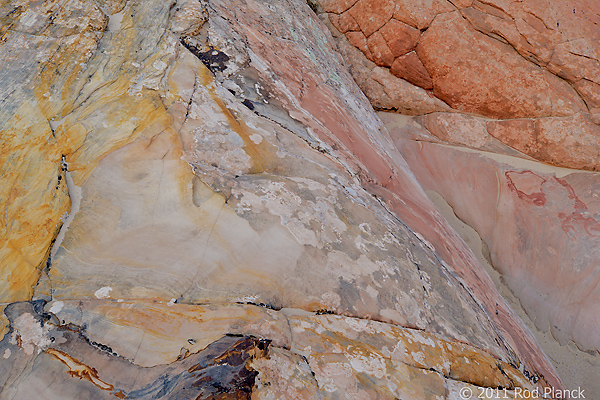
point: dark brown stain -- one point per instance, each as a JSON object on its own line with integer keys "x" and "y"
{"x": 228, "y": 376}
{"x": 214, "y": 59}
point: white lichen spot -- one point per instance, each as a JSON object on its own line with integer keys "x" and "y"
{"x": 159, "y": 65}
{"x": 256, "y": 138}
{"x": 7, "y": 354}
{"x": 331, "y": 300}
{"x": 248, "y": 299}
{"x": 56, "y": 307}
{"x": 29, "y": 333}
{"x": 103, "y": 292}
{"x": 365, "y": 228}
{"x": 374, "y": 293}
{"x": 29, "y": 18}
{"x": 114, "y": 21}
{"x": 373, "y": 364}
{"x": 418, "y": 356}
{"x": 360, "y": 245}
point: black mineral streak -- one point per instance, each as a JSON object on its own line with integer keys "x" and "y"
{"x": 215, "y": 60}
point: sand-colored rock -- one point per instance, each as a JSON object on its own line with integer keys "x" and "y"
{"x": 241, "y": 203}
{"x": 81, "y": 96}
{"x": 321, "y": 356}
{"x": 34, "y": 196}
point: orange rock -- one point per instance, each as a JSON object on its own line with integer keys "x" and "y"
{"x": 358, "y": 40}
{"x": 572, "y": 142}
{"x": 372, "y": 14}
{"x": 400, "y": 37}
{"x": 344, "y": 22}
{"x": 420, "y": 13}
{"x": 382, "y": 54}
{"x": 590, "y": 91}
{"x": 474, "y": 73}
{"x": 409, "y": 67}
{"x": 336, "y": 6}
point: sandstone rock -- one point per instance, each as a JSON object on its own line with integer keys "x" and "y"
{"x": 572, "y": 142}
{"x": 410, "y": 68}
{"x": 455, "y": 128}
{"x": 400, "y": 37}
{"x": 358, "y": 40}
{"x": 420, "y": 13}
{"x": 465, "y": 65}
{"x": 371, "y": 15}
{"x": 541, "y": 228}
{"x": 34, "y": 195}
{"x": 246, "y": 227}
{"x": 384, "y": 90}
{"x": 344, "y": 23}
{"x": 307, "y": 364}
{"x": 497, "y": 59}
{"x": 380, "y": 51}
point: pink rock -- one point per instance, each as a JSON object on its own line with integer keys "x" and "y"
{"x": 517, "y": 133}
{"x": 572, "y": 142}
{"x": 466, "y": 130}
{"x": 409, "y": 67}
{"x": 542, "y": 230}
{"x": 365, "y": 150}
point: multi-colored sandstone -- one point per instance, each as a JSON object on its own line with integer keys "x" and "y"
{"x": 246, "y": 226}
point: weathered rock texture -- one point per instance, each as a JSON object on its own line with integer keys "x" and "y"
{"x": 541, "y": 228}
{"x": 531, "y": 66}
{"x": 246, "y": 228}
{"x": 515, "y": 78}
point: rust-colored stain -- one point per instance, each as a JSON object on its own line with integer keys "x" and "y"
{"x": 537, "y": 197}
{"x": 79, "y": 369}
{"x": 261, "y": 161}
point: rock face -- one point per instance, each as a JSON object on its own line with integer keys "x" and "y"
{"x": 540, "y": 225}
{"x": 241, "y": 225}
{"x": 530, "y": 66}
{"x": 516, "y": 79}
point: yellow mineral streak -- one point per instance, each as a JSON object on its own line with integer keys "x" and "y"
{"x": 262, "y": 154}
{"x": 31, "y": 200}
{"x": 80, "y": 370}
{"x": 426, "y": 351}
